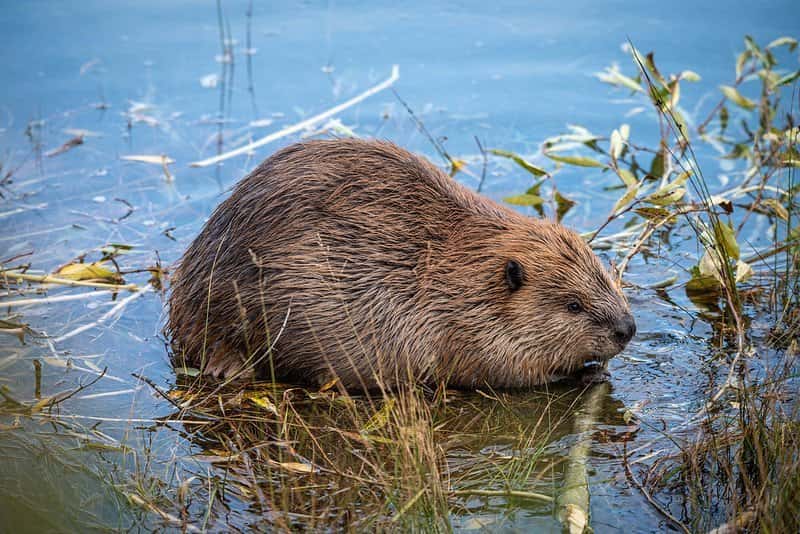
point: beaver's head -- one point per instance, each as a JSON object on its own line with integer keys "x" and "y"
{"x": 561, "y": 301}
{"x": 531, "y": 302}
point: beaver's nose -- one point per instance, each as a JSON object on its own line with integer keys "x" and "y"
{"x": 624, "y": 329}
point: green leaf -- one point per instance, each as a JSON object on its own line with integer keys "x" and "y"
{"x": 627, "y": 198}
{"x": 650, "y": 63}
{"x": 732, "y": 94}
{"x": 702, "y": 288}
{"x": 667, "y": 197}
{"x": 791, "y": 42}
{"x": 657, "y": 166}
{"x": 723, "y": 119}
{"x": 580, "y": 161}
{"x": 626, "y": 176}
{"x": 741, "y": 61}
{"x": 739, "y": 151}
{"x": 725, "y": 238}
{"x": 787, "y": 79}
{"x": 187, "y": 371}
{"x": 563, "y": 205}
{"x": 613, "y": 76}
{"x": 519, "y": 160}
{"x": 525, "y": 200}
{"x": 669, "y": 193}
{"x": 653, "y": 214}
{"x": 380, "y": 418}
{"x": 659, "y": 96}
{"x": 751, "y": 45}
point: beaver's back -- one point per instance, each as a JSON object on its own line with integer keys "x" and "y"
{"x": 320, "y": 255}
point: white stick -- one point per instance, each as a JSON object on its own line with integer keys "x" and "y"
{"x": 304, "y": 124}
{"x": 50, "y": 300}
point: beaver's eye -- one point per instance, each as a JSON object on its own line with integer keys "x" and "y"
{"x": 574, "y": 306}
{"x": 514, "y": 275}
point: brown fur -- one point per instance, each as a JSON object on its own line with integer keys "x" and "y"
{"x": 361, "y": 260}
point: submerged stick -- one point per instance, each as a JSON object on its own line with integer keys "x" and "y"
{"x": 303, "y": 124}
{"x": 573, "y": 501}
{"x": 503, "y": 493}
{"x": 51, "y": 300}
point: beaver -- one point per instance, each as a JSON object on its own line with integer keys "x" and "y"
{"x": 358, "y": 260}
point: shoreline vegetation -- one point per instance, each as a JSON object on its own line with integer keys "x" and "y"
{"x": 326, "y": 459}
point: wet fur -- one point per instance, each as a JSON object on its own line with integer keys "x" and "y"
{"x": 361, "y": 260}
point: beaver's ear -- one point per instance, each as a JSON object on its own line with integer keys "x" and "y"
{"x": 514, "y": 275}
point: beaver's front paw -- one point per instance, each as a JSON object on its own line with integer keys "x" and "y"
{"x": 593, "y": 373}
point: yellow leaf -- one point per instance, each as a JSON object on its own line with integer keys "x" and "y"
{"x": 776, "y": 207}
{"x": 328, "y": 385}
{"x": 743, "y": 271}
{"x": 295, "y": 467}
{"x": 381, "y": 417}
{"x": 262, "y": 401}
{"x": 456, "y": 165}
{"x": 579, "y": 161}
{"x": 732, "y": 94}
{"x": 87, "y": 271}
{"x": 626, "y": 176}
{"x": 525, "y": 200}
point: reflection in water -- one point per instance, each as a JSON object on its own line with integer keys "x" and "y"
{"x": 485, "y": 457}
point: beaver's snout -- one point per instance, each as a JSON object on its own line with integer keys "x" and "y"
{"x": 624, "y": 329}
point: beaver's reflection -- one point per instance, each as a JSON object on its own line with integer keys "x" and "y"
{"x": 326, "y": 459}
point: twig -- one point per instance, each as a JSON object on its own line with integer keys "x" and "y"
{"x": 646, "y": 494}
{"x": 157, "y": 390}
{"x": 50, "y": 279}
{"x": 61, "y": 397}
{"x": 303, "y": 124}
{"x": 51, "y": 300}
{"x": 485, "y": 163}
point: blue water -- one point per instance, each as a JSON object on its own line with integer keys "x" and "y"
{"x": 510, "y": 74}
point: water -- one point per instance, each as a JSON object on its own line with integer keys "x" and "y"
{"x": 130, "y": 75}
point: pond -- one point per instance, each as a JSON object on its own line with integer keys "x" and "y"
{"x": 89, "y": 84}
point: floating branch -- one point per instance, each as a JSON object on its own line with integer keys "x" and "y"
{"x": 51, "y": 300}
{"x": 50, "y": 279}
{"x": 304, "y": 124}
{"x": 573, "y": 501}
